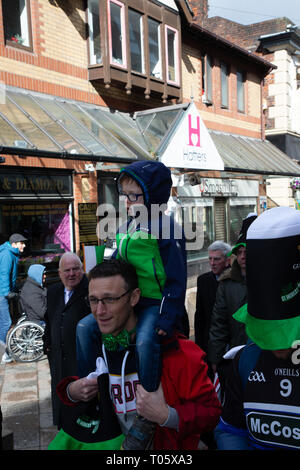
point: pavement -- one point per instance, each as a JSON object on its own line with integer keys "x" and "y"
{"x": 25, "y": 398}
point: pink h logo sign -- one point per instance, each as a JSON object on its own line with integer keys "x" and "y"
{"x": 194, "y": 131}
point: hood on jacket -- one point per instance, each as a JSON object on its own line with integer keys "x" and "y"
{"x": 36, "y": 272}
{"x": 7, "y": 246}
{"x": 153, "y": 177}
{"x": 234, "y": 273}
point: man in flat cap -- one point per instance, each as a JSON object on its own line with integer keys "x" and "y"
{"x": 9, "y": 257}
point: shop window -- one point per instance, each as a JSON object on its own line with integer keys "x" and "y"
{"x": 224, "y": 85}
{"x": 16, "y": 21}
{"x": 240, "y": 80}
{"x": 108, "y": 196}
{"x": 117, "y": 33}
{"x": 47, "y": 226}
{"x": 94, "y": 32}
{"x": 136, "y": 41}
{"x": 207, "y": 66}
{"x": 237, "y": 214}
{"x": 154, "y": 48}
{"x": 196, "y": 218}
{"x": 172, "y": 54}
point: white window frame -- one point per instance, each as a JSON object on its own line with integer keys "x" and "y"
{"x": 239, "y": 98}
{"x": 25, "y": 35}
{"x": 122, "y": 64}
{"x": 176, "y": 55}
{"x": 158, "y": 65}
{"x": 141, "y": 39}
{"x": 93, "y": 58}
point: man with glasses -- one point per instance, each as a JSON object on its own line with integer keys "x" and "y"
{"x": 65, "y": 307}
{"x": 185, "y": 404}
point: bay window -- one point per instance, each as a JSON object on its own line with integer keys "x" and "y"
{"x": 136, "y": 45}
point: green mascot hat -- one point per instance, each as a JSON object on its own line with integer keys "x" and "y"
{"x": 272, "y": 315}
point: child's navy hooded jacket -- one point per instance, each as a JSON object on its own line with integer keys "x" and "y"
{"x": 155, "y": 245}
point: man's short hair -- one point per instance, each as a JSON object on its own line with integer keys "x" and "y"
{"x": 72, "y": 255}
{"x": 115, "y": 267}
{"x": 221, "y": 246}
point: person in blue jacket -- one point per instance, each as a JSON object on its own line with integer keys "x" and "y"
{"x": 9, "y": 257}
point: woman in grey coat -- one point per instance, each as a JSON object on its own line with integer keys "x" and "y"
{"x": 33, "y": 295}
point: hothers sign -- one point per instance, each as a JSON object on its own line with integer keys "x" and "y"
{"x": 33, "y": 184}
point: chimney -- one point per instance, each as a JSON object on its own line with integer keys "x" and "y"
{"x": 200, "y": 10}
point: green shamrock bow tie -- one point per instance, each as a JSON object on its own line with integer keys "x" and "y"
{"x": 112, "y": 343}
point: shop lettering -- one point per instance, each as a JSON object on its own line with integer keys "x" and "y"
{"x": 38, "y": 184}
{"x": 217, "y": 187}
{"x": 17, "y": 184}
{"x": 195, "y": 156}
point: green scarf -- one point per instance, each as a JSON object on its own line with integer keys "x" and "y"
{"x": 112, "y": 343}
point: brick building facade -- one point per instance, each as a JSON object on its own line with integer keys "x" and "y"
{"x": 70, "y": 68}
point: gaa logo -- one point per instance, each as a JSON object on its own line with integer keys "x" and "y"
{"x": 256, "y": 376}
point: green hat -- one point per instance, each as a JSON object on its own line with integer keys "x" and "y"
{"x": 272, "y": 315}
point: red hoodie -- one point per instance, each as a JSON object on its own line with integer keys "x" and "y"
{"x": 188, "y": 389}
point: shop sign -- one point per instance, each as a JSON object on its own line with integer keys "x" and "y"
{"x": 87, "y": 223}
{"x": 203, "y": 187}
{"x": 218, "y": 187}
{"x": 20, "y": 184}
{"x": 192, "y": 146}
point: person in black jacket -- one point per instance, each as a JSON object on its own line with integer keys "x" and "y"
{"x": 207, "y": 285}
{"x": 66, "y": 305}
{"x": 33, "y": 295}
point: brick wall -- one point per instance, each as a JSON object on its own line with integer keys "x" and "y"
{"x": 215, "y": 117}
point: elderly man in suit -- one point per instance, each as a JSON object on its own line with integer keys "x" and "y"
{"x": 207, "y": 285}
{"x": 66, "y": 305}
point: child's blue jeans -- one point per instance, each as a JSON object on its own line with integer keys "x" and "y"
{"x": 148, "y": 348}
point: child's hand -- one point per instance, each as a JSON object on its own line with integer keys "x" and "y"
{"x": 161, "y": 333}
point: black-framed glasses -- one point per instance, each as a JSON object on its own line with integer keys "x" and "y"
{"x": 132, "y": 197}
{"x": 93, "y": 301}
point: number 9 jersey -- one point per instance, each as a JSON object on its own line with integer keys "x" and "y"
{"x": 262, "y": 401}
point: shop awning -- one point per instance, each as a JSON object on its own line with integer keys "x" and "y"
{"x": 40, "y": 125}
{"x": 36, "y": 124}
{"x": 248, "y": 155}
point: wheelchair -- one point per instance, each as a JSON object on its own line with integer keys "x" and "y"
{"x": 25, "y": 341}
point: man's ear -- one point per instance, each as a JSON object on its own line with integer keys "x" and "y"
{"x": 135, "y": 297}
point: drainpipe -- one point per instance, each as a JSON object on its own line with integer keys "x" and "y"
{"x": 262, "y": 115}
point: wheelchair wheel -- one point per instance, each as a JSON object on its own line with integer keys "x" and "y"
{"x": 25, "y": 342}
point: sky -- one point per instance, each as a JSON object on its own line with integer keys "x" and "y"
{"x": 254, "y": 11}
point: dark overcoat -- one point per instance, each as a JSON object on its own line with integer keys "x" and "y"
{"x": 207, "y": 285}
{"x": 60, "y": 335}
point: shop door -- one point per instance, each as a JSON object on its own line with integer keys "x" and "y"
{"x": 221, "y": 219}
